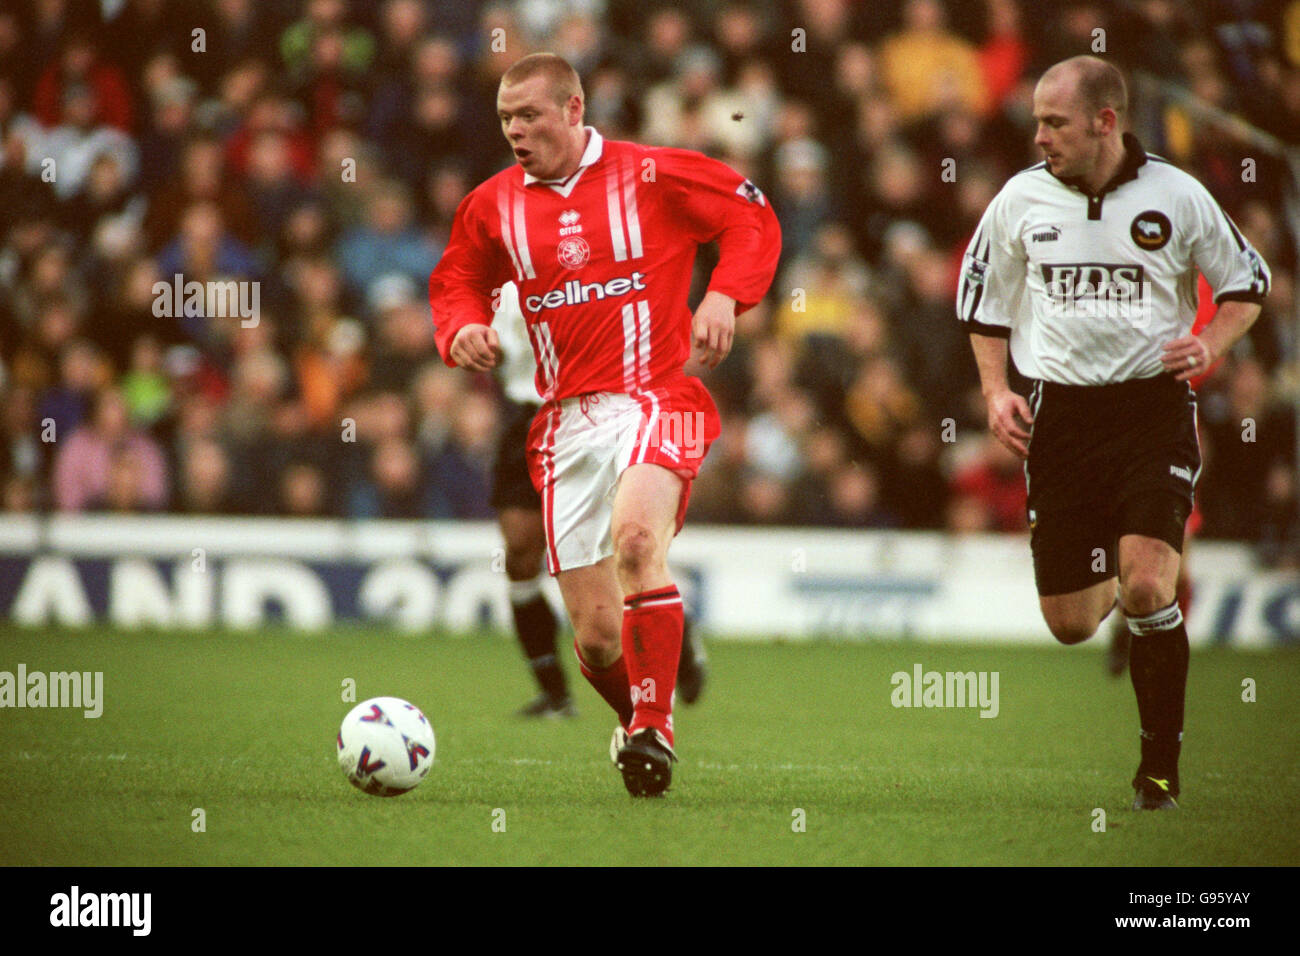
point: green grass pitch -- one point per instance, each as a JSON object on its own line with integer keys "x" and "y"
{"x": 243, "y": 725}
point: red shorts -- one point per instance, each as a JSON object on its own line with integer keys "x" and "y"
{"x": 579, "y": 447}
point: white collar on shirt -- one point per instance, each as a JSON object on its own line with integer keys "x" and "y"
{"x": 595, "y": 145}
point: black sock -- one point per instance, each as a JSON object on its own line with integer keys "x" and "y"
{"x": 1158, "y": 665}
{"x": 536, "y": 627}
{"x": 689, "y": 659}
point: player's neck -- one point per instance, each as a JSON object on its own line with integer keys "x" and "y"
{"x": 575, "y": 162}
{"x": 1108, "y": 166}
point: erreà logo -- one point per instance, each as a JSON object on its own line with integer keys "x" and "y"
{"x": 569, "y": 225}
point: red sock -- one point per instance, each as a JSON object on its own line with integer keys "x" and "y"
{"x": 611, "y": 683}
{"x": 652, "y": 645}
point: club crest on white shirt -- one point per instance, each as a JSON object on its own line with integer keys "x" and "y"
{"x": 1151, "y": 230}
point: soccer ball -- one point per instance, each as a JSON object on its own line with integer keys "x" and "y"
{"x": 385, "y": 746}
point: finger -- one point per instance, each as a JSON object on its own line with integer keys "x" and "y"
{"x": 715, "y": 337}
{"x": 1012, "y": 445}
{"x": 715, "y": 346}
{"x": 1024, "y": 412}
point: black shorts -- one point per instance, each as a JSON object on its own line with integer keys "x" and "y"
{"x": 1106, "y": 461}
{"x": 511, "y": 485}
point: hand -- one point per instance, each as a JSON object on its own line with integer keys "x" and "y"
{"x": 712, "y": 328}
{"x": 476, "y": 347}
{"x": 1007, "y": 411}
{"x": 1189, "y": 356}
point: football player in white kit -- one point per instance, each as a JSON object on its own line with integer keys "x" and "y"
{"x": 1087, "y": 263}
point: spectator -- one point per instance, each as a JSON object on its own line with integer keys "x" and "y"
{"x": 107, "y": 463}
{"x": 302, "y": 491}
{"x": 927, "y": 68}
{"x": 78, "y": 140}
{"x": 205, "y": 480}
{"x": 1249, "y": 435}
{"x": 995, "y": 480}
{"x": 388, "y": 242}
{"x": 100, "y": 89}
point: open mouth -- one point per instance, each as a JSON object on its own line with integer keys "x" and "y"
{"x": 522, "y": 154}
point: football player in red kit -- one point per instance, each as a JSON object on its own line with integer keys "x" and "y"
{"x": 600, "y": 237}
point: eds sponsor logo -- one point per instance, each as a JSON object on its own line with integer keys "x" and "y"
{"x": 75, "y": 909}
{"x": 574, "y": 292}
{"x": 82, "y": 689}
{"x": 1094, "y": 290}
{"x": 227, "y": 299}
{"x": 923, "y": 688}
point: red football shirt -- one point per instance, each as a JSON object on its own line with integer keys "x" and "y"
{"x": 603, "y": 261}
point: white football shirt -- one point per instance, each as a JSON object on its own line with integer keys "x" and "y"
{"x": 518, "y": 369}
{"x": 1089, "y": 288}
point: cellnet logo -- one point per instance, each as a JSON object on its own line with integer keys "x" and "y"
{"x": 574, "y": 292}
{"x": 946, "y": 689}
{"x": 74, "y": 909}
{"x": 56, "y": 689}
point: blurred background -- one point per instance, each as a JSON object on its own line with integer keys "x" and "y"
{"x": 321, "y": 147}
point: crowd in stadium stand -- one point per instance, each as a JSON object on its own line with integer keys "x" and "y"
{"x": 320, "y": 147}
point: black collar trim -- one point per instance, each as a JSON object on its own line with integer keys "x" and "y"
{"x": 1135, "y": 157}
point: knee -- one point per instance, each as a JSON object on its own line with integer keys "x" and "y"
{"x": 597, "y": 645}
{"x": 636, "y": 551}
{"x": 523, "y": 563}
{"x": 597, "y": 631}
{"x": 1145, "y": 593}
{"x": 1071, "y": 630}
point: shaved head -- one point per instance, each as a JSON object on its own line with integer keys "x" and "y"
{"x": 1079, "y": 106}
{"x": 561, "y": 78}
{"x": 1099, "y": 85}
{"x": 540, "y": 107}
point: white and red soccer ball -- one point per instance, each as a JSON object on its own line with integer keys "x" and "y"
{"x": 385, "y": 746}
